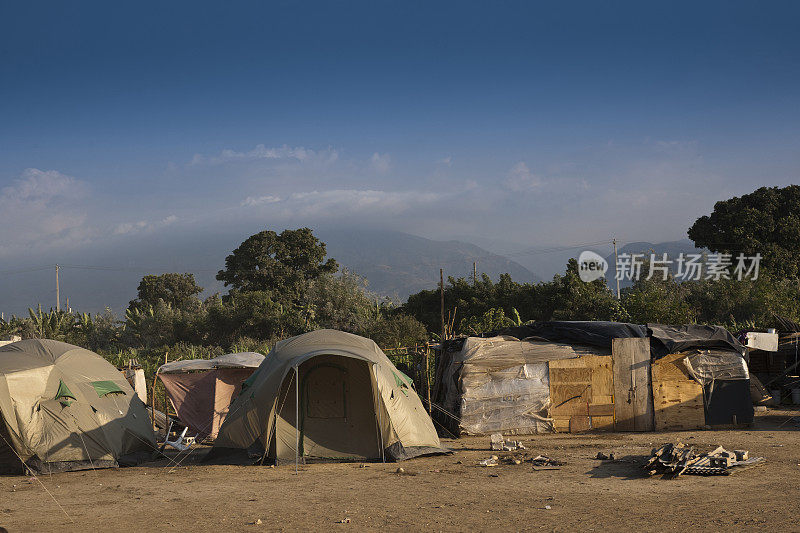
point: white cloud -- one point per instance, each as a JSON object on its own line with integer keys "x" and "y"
{"x": 143, "y": 226}
{"x": 446, "y": 161}
{"x": 42, "y": 208}
{"x": 252, "y": 201}
{"x": 380, "y": 163}
{"x": 521, "y": 179}
{"x": 261, "y": 151}
{"x": 338, "y": 203}
{"x": 40, "y": 186}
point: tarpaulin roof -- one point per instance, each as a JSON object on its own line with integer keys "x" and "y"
{"x": 591, "y": 333}
{"x": 673, "y": 339}
{"x": 229, "y": 360}
{"x": 664, "y": 339}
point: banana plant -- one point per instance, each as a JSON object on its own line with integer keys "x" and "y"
{"x": 51, "y": 324}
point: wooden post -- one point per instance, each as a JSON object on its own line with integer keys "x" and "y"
{"x": 616, "y": 262}
{"x": 428, "y": 376}
{"x": 153, "y": 401}
{"x": 58, "y": 292}
{"x": 474, "y": 273}
{"x": 441, "y": 304}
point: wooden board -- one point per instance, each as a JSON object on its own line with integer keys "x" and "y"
{"x": 677, "y": 398}
{"x": 633, "y": 408}
{"x": 579, "y": 424}
{"x": 578, "y": 388}
{"x": 601, "y": 409}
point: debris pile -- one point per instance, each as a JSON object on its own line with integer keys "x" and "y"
{"x": 542, "y": 462}
{"x": 676, "y": 459}
{"x": 497, "y": 443}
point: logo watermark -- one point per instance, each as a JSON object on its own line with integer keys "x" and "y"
{"x": 686, "y": 267}
{"x": 591, "y": 266}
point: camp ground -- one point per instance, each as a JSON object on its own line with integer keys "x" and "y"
{"x": 537, "y": 417}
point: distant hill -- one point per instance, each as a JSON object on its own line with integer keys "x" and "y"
{"x": 398, "y": 264}
{"x": 395, "y": 264}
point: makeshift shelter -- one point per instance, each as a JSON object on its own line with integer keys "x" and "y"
{"x": 327, "y": 394}
{"x": 201, "y": 390}
{"x": 65, "y": 408}
{"x": 576, "y": 376}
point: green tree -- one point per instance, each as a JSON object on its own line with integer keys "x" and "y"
{"x": 658, "y": 300}
{"x": 252, "y": 314}
{"x": 341, "y": 302}
{"x": 492, "y": 319}
{"x": 766, "y": 221}
{"x": 283, "y": 265}
{"x": 570, "y": 298}
{"x": 178, "y": 291}
{"x": 396, "y": 329}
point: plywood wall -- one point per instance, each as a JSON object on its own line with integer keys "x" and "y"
{"x": 677, "y": 398}
{"x": 582, "y": 394}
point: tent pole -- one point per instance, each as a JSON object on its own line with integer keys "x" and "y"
{"x": 378, "y": 404}
{"x": 296, "y": 418}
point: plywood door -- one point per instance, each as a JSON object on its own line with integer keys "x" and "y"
{"x": 677, "y": 398}
{"x": 581, "y": 393}
{"x": 633, "y": 397}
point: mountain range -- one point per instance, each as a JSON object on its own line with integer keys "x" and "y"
{"x": 395, "y": 264}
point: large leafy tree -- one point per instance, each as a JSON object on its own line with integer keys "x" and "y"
{"x": 281, "y": 264}
{"x": 174, "y": 290}
{"x": 766, "y": 221}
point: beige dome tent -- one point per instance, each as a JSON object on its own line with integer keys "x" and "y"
{"x": 351, "y": 403}
{"x": 66, "y": 408}
{"x": 201, "y": 390}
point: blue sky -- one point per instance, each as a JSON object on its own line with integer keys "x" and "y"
{"x": 527, "y": 122}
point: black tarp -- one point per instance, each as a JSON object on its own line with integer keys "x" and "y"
{"x": 673, "y": 339}
{"x": 728, "y": 402}
{"x": 591, "y": 333}
{"x": 664, "y": 339}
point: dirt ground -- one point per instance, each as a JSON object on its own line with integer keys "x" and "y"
{"x": 445, "y": 493}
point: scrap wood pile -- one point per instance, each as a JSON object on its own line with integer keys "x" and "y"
{"x": 676, "y": 459}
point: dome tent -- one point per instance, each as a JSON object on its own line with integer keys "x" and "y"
{"x": 350, "y": 400}
{"x": 65, "y": 408}
{"x": 201, "y": 390}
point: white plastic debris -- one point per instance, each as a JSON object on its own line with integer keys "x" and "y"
{"x": 491, "y": 461}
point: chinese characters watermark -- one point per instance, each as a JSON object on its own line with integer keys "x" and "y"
{"x": 688, "y": 267}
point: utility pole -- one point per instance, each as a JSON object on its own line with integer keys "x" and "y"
{"x": 58, "y": 294}
{"x": 616, "y": 262}
{"x": 441, "y": 302}
{"x": 474, "y": 273}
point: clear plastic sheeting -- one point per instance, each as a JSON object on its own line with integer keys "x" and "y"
{"x": 501, "y": 384}
{"x": 512, "y": 400}
{"x": 707, "y": 366}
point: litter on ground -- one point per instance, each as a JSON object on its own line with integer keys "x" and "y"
{"x": 676, "y": 459}
{"x": 498, "y": 443}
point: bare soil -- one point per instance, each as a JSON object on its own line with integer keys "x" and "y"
{"x": 445, "y": 493}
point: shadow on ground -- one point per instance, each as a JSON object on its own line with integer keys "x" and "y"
{"x": 628, "y": 467}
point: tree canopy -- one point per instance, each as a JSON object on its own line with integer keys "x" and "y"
{"x": 282, "y": 264}
{"x": 175, "y": 290}
{"x": 766, "y": 221}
